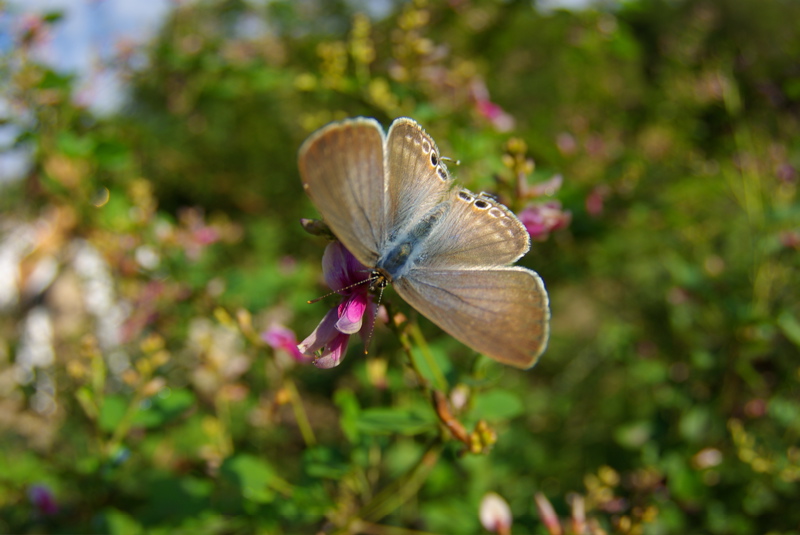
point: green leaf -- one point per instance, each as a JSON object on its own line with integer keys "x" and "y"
{"x": 163, "y": 408}
{"x": 387, "y": 421}
{"x": 790, "y": 327}
{"x": 496, "y": 405}
{"x": 633, "y": 435}
{"x": 346, "y": 400}
{"x": 322, "y": 462}
{"x": 73, "y": 145}
{"x": 256, "y": 480}
{"x": 120, "y": 523}
{"x": 694, "y": 424}
{"x": 111, "y": 414}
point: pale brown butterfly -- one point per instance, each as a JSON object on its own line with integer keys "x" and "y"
{"x": 447, "y": 251}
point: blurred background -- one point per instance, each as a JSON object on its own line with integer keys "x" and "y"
{"x": 154, "y": 275}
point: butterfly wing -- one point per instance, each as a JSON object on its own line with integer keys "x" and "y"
{"x": 342, "y": 169}
{"x": 475, "y": 232}
{"x": 416, "y": 178}
{"x": 462, "y": 282}
{"x": 501, "y": 312}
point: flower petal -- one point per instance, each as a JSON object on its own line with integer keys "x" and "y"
{"x": 282, "y": 338}
{"x": 341, "y": 269}
{"x": 351, "y": 313}
{"x": 334, "y": 352}
{"x": 322, "y": 335}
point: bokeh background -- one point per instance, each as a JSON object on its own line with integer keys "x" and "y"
{"x": 154, "y": 274}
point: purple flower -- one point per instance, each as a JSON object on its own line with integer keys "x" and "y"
{"x": 282, "y": 338}
{"x": 347, "y": 276}
{"x": 542, "y": 218}
{"x": 43, "y": 499}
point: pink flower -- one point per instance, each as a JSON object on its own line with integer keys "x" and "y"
{"x": 348, "y": 277}
{"x": 487, "y": 109}
{"x": 43, "y": 499}
{"x": 790, "y": 239}
{"x": 540, "y": 219}
{"x": 282, "y": 338}
{"x": 495, "y": 514}
{"x": 596, "y": 200}
{"x": 547, "y": 514}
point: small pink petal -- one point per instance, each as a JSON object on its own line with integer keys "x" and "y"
{"x": 351, "y": 313}
{"x": 282, "y": 338}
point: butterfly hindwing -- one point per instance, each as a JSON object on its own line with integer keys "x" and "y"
{"x": 500, "y": 312}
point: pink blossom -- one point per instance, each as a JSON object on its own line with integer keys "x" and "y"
{"x": 790, "y": 239}
{"x": 206, "y": 235}
{"x": 495, "y": 514}
{"x": 547, "y": 514}
{"x": 487, "y": 109}
{"x": 348, "y": 277}
{"x": 566, "y": 144}
{"x": 595, "y": 200}
{"x": 282, "y": 338}
{"x": 540, "y": 219}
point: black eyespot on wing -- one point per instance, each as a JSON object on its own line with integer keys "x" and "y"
{"x": 434, "y": 159}
{"x": 481, "y": 204}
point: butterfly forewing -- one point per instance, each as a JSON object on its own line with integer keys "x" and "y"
{"x": 500, "y": 312}
{"x": 416, "y": 178}
{"x": 342, "y": 169}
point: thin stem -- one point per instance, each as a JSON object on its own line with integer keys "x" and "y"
{"x": 422, "y": 344}
{"x": 300, "y": 413}
{"x": 402, "y": 489}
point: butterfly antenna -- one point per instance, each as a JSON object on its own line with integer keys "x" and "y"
{"x": 374, "y": 320}
{"x": 316, "y": 300}
{"x": 448, "y": 159}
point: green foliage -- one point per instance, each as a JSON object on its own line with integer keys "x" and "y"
{"x": 667, "y": 401}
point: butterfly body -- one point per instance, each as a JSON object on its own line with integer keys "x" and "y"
{"x": 447, "y": 251}
{"x": 402, "y": 254}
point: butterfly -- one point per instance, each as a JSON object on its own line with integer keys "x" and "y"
{"x": 391, "y": 201}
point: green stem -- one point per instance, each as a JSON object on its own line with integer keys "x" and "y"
{"x": 402, "y": 489}
{"x": 124, "y": 425}
{"x": 422, "y": 345}
{"x": 300, "y": 413}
